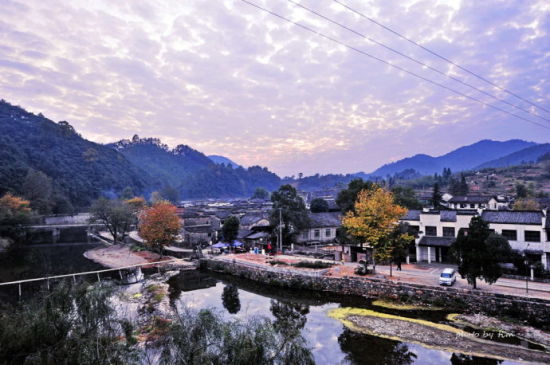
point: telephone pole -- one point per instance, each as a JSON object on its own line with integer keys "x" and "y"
{"x": 280, "y": 230}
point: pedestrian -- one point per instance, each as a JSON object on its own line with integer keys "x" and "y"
{"x": 399, "y": 265}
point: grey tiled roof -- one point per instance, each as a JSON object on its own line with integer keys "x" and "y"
{"x": 512, "y": 217}
{"x": 476, "y": 199}
{"x": 448, "y": 216}
{"x": 412, "y": 215}
{"x": 251, "y": 218}
{"x": 436, "y": 241}
{"x": 321, "y": 220}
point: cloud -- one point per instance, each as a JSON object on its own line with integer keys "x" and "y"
{"x": 228, "y": 79}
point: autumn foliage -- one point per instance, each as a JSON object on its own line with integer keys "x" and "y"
{"x": 374, "y": 218}
{"x": 159, "y": 225}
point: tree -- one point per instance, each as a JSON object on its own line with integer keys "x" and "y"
{"x": 436, "y": 196}
{"x": 393, "y": 248}
{"x": 37, "y": 188}
{"x": 159, "y": 225}
{"x": 115, "y": 214}
{"x": 260, "y": 193}
{"x": 405, "y": 197}
{"x": 292, "y": 210}
{"x": 171, "y": 194}
{"x": 346, "y": 198}
{"x": 14, "y": 212}
{"x": 156, "y": 197}
{"x": 127, "y": 193}
{"x": 373, "y": 219}
{"x": 526, "y": 204}
{"x": 230, "y": 229}
{"x": 479, "y": 252}
{"x": 521, "y": 191}
{"x": 318, "y": 205}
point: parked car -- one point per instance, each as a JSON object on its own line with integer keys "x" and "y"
{"x": 447, "y": 277}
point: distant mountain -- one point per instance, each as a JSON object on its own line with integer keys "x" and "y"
{"x": 526, "y": 155}
{"x": 217, "y": 159}
{"x": 463, "y": 158}
{"x": 168, "y": 166}
{"x": 81, "y": 170}
{"x": 191, "y": 172}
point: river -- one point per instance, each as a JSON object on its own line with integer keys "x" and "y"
{"x": 234, "y": 298}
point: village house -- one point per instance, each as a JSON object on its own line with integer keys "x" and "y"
{"x": 322, "y": 228}
{"x": 435, "y": 231}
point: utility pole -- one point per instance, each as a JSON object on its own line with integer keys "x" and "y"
{"x": 280, "y": 230}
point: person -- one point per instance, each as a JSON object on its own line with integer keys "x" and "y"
{"x": 269, "y": 248}
{"x": 399, "y": 264}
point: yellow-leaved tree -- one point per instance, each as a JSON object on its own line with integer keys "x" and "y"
{"x": 373, "y": 221}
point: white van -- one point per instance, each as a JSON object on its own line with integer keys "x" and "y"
{"x": 447, "y": 277}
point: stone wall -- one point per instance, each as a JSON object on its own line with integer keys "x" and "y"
{"x": 535, "y": 311}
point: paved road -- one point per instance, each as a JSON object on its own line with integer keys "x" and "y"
{"x": 428, "y": 274}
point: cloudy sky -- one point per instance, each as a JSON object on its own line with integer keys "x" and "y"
{"x": 227, "y": 78}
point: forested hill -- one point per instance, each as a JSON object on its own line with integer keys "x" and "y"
{"x": 192, "y": 173}
{"x": 80, "y": 170}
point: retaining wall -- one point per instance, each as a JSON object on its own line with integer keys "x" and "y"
{"x": 535, "y": 311}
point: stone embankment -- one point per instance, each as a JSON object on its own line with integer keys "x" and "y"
{"x": 535, "y": 311}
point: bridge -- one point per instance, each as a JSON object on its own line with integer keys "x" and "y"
{"x": 157, "y": 264}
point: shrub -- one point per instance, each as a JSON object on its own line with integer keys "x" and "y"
{"x": 313, "y": 264}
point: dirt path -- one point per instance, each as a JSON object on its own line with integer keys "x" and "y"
{"x": 120, "y": 256}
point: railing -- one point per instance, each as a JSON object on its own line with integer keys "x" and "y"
{"x": 97, "y": 272}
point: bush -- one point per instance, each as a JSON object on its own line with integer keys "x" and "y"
{"x": 361, "y": 270}
{"x": 277, "y": 262}
{"x": 313, "y": 264}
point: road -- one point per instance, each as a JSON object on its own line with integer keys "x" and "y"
{"x": 428, "y": 274}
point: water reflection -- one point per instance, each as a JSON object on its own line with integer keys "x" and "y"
{"x": 230, "y": 299}
{"x": 461, "y": 359}
{"x": 364, "y": 349}
{"x": 305, "y": 313}
{"x": 290, "y": 317}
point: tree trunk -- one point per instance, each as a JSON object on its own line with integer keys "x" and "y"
{"x": 475, "y": 283}
{"x": 390, "y": 269}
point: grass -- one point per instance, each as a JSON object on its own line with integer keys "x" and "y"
{"x": 401, "y": 306}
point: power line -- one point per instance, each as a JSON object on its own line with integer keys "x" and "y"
{"x": 389, "y": 63}
{"x": 415, "y": 60}
{"x": 440, "y": 56}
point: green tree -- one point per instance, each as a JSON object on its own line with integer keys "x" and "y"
{"x": 521, "y": 191}
{"x": 260, "y": 193}
{"x": 479, "y": 252}
{"x": 37, "y": 188}
{"x": 346, "y": 198}
{"x": 171, "y": 194}
{"x": 115, "y": 214}
{"x": 318, "y": 205}
{"x": 406, "y": 197}
{"x": 436, "y": 196}
{"x": 292, "y": 209}
{"x": 127, "y": 193}
{"x": 230, "y": 229}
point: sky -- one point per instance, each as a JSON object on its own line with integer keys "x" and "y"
{"x": 229, "y": 79}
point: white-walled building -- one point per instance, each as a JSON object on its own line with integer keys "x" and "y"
{"x": 322, "y": 228}
{"x": 435, "y": 231}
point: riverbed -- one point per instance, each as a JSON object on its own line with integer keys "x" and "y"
{"x": 329, "y": 340}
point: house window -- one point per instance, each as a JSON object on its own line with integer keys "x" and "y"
{"x": 414, "y": 230}
{"x": 472, "y": 206}
{"x": 510, "y": 234}
{"x": 462, "y": 205}
{"x": 431, "y": 231}
{"x": 317, "y": 233}
{"x": 448, "y": 231}
{"x": 305, "y": 235}
{"x": 532, "y": 236}
{"x": 328, "y": 232}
